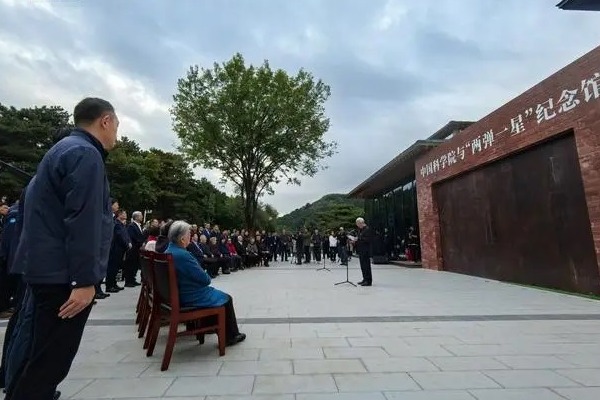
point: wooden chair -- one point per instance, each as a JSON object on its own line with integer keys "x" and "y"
{"x": 146, "y": 294}
{"x": 166, "y": 307}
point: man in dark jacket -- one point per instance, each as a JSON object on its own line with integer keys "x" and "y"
{"x": 363, "y": 248}
{"x": 119, "y": 246}
{"x": 136, "y": 234}
{"x": 66, "y": 236}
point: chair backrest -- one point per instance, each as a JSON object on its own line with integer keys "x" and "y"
{"x": 165, "y": 280}
{"x": 146, "y": 267}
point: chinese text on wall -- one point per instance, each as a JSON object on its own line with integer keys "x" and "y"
{"x": 588, "y": 91}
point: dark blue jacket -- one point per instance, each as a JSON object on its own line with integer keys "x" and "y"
{"x": 10, "y": 237}
{"x": 67, "y": 221}
{"x": 193, "y": 282}
{"x": 120, "y": 243}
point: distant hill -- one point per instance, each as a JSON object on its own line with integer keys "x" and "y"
{"x": 329, "y": 212}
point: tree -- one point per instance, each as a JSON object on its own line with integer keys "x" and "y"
{"x": 257, "y": 126}
{"x": 25, "y": 136}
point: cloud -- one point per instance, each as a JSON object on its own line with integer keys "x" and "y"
{"x": 398, "y": 69}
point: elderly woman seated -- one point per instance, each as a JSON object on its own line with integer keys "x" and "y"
{"x": 194, "y": 283}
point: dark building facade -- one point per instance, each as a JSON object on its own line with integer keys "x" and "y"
{"x": 513, "y": 197}
{"x": 391, "y": 193}
{"x": 516, "y": 196}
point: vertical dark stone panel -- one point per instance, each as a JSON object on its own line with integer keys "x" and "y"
{"x": 522, "y": 219}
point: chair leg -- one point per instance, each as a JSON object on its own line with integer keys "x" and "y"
{"x": 152, "y": 335}
{"x": 170, "y": 345}
{"x": 145, "y": 311}
{"x": 139, "y": 305}
{"x": 221, "y": 334}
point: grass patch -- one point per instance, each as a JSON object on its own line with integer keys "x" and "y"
{"x": 586, "y": 296}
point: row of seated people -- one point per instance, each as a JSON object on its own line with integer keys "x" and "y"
{"x": 212, "y": 256}
{"x": 193, "y": 282}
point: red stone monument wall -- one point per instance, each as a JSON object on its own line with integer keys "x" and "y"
{"x": 567, "y": 100}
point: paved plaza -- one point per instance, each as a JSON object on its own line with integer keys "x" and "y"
{"x": 415, "y": 335}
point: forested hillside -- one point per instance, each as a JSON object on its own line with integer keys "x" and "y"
{"x": 329, "y": 212}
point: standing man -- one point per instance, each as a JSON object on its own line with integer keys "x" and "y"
{"x": 67, "y": 231}
{"x": 136, "y": 235}
{"x": 363, "y": 248}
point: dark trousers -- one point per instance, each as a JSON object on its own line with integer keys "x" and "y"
{"x": 8, "y": 287}
{"x": 55, "y": 344}
{"x": 365, "y": 267}
{"x": 343, "y": 253}
{"x": 231, "y": 326}
{"x": 306, "y": 254}
{"x": 114, "y": 264}
{"x": 10, "y": 327}
{"x": 132, "y": 265}
{"x": 317, "y": 253}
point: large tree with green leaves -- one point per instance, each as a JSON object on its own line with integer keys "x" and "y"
{"x": 256, "y": 125}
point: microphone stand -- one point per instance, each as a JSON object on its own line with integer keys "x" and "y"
{"x": 323, "y": 268}
{"x": 347, "y": 278}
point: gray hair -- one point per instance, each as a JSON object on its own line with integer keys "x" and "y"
{"x": 136, "y": 214}
{"x": 360, "y": 220}
{"x": 178, "y": 230}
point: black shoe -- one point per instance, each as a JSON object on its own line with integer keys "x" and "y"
{"x": 226, "y": 272}
{"x": 240, "y": 337}
{"x": 361, "y": 282}
{"x": 101, "y": 296}
{"x": 365, "y": 284}
{"x": 113, "y": 289}
{"x": 56, "y": 395}
{"x": 132, "y": 284}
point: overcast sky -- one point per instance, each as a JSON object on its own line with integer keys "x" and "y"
{"x": 398, "y": 69}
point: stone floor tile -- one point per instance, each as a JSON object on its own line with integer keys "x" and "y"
{"x": 431, "y": 340}
{"x": 453, "y": 380}
{"x": 271, "y": 384}
{"x": 263, "y": 367}
{"x": 267, "y": 343}
{"x": 466, "y": 363}
{"x": 516, "y": 394}
{"x": 582, "y": 360}
{"x": 303, "y": 367}
{"x": 399, "y": 364}
{"x": 253, "y": 397}
{"x": 70, "y": 387}
{"x": 374, "y": 382}
{"x": 579, "y": 393}
{"x": 585, "y": 377}
{"x": 355, "y": 352}
{"x": 200, "y": 368}
{"x": 534, "y": 362}
{"x": 107, "y": 370}
{"x": 125, "y": 388}
{"x": 530, "y": 379}
{"x": 295, "y": 353}
{"x": 204, "y": 386}
{"x": 320, "y": 342}
{"x": 342, "y": 396}
{"x": 376, "y": 341}
{"x": 430, "y": 395}
{"x": 432, "y": 350}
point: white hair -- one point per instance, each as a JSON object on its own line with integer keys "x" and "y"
{"x": 136, "y": 214}
{"x": 360, "y": 220}
{"x": 178, "y": 230}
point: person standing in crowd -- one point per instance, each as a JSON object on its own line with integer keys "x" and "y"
{"x": 120, "y": 244}
{"x": 363, "y": 248}
{"x": 333, "y": 244}
{"x": 132, "y": 263}
{"x": 61, "y": 264}
{"x": 342, "y": 245}
{"x": 317, "y": 242}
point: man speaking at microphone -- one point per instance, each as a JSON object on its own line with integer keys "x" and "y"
{"x": 363, "y": 248}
